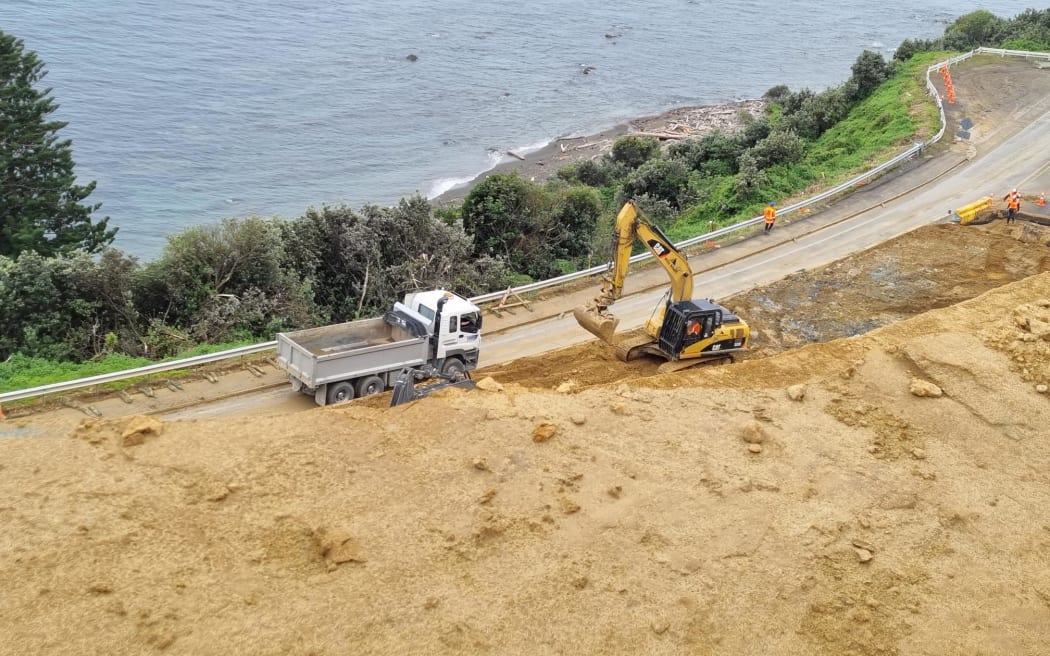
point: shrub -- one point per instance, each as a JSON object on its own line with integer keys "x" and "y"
{"x": 662, "y": 179}
{"x": 632, "y": 151}
{"x": 869, "y": 71}
{"x": 978, "y": 28}
{"x": 780, "y": 147}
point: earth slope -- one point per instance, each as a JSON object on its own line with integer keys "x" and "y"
{"x": 875, "y": 494}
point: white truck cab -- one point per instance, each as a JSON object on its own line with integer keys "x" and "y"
{"x": 458, "y": 335}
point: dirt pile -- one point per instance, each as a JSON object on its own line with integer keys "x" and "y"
{"x": 810, "y": 502}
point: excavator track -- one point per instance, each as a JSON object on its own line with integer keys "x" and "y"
{"x": 679, "y": 365}
{"x": 632, "y": 347}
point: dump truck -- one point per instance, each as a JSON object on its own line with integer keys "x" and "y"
{"x": 430, "y": 334}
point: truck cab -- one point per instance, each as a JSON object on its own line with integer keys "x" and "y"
{"x": 454, "y": 326}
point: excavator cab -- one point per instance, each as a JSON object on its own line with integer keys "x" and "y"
{"x": 685, "y": 324}
{"x": 702, "y": 328}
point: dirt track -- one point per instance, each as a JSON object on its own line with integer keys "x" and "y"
{"x": 870, "y": 494}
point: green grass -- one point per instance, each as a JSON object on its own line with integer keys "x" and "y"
{"x": 22, "y": 372}
{"x": 897, "y": 114}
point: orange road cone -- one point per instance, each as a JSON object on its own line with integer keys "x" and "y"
{"x": 1042, "y": 200}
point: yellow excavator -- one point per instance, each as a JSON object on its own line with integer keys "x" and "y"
{"x": 685, "y": 332}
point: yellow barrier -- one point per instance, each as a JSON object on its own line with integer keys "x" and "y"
{"x": 968, "y": 213}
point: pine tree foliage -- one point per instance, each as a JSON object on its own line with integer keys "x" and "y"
{"x": 41, "y": 206}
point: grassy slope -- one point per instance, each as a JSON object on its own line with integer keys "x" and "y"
{"x": 21, "y": 372}
{"x": 898, "y": 113}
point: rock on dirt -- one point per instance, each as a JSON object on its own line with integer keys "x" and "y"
{"x": 544, "y": 432}
{"x": 489, "y": 384}
{"x": 138, "y": 428}
{"x": 752, "y": 432}
{"x": 924, "y": 388}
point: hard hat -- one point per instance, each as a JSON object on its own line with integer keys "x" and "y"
{"x": 772, "y": 203}
{"x": 1014, "y": 191}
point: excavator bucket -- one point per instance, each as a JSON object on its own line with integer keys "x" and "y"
{"x": 602, "y": 326}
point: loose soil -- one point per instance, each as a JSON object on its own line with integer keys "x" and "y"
{"x": 879, "y": 489}
{"x": 875, "y": 494}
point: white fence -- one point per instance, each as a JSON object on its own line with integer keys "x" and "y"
{"x": 485, "y": 298}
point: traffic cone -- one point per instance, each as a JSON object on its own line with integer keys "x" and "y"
{"x": 1042, "y": 200}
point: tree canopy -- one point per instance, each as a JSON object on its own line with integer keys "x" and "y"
{"x": 41, "y": 206}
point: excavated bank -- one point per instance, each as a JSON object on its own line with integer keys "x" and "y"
{"x": 932, "y": 267}
{"x": 877, "y": 494}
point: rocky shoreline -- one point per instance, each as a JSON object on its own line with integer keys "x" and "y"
{"x": 543, "y": 164}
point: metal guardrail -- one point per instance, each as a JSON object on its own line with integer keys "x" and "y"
{"x": 160, "y": 367}
{"x": 187, "y": 363}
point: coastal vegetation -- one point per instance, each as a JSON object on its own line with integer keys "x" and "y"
{"x": 67, "y": 296}
{"x": 41, "y": 206}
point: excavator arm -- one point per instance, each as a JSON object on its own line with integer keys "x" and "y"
{"x": 631, "y": 225}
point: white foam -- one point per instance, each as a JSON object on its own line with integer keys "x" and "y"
{"x": 441, "y": 185}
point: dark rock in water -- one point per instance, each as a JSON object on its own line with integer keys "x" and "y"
{"x": 587, "y": 70}
{"x": 412, "y": 58}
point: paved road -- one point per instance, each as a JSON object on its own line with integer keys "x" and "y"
{"x": 923, "y": 193}
{"x": 800, "y": 244}
{"x": 1010, "y": 153}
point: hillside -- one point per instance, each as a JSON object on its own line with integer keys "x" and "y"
{"x": 881, "y": 493}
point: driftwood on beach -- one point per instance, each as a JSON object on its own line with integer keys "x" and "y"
{"x": 662, "y": 135}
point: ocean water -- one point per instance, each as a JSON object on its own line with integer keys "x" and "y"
{"x": 191, "y": 111}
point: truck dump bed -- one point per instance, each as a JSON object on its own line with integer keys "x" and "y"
{"x": 317, "y": 356}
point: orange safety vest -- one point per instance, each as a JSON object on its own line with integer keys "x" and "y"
{"x": 1015, "y": 203}
{"x": 771, "y": 213}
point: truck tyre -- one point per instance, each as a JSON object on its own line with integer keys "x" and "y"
{"x": 453, "y": 368}
{"x": 340, "y": 392}
{"x": 370, "y": 385}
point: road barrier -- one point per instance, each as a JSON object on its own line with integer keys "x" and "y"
{"x": 860, "y": 180}
{"x": 968, "y": 213}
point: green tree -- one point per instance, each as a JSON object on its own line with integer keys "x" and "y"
{"x": 869, "y": 71}
{"x": 663, "y": 179}
{"x": 975, "y": 29}
{"x": 45, "y": 313}
{"x": 632, "y": 151}
{"x": 40, "y": 202}
{"x": 499, "y": 212}
{"x": 575, "y": 216}
{"x": 780, "y": 147}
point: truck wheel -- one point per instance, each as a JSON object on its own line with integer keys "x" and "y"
{"x": 370, "y": 385}
{"x": 340, "y": 392}
{"x": 453, "y": 368}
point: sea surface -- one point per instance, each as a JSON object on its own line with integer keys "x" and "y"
{"x": 189, "y": 111}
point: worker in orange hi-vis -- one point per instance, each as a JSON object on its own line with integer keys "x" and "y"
{"x": 1013, "y": 206}
{"x": 771, "y": 216}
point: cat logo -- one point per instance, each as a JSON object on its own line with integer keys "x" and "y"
{"x": 657, "y": 248}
